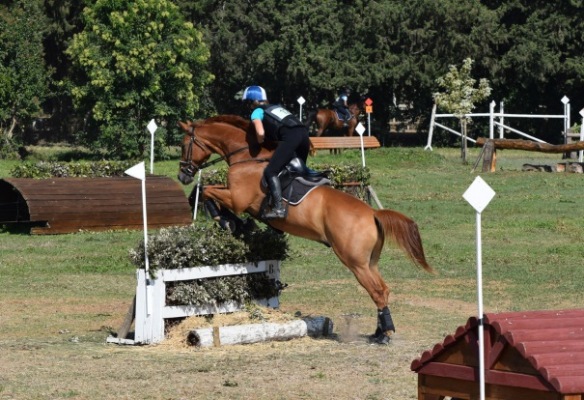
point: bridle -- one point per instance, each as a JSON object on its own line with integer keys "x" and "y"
{"x": 189, "y": 167}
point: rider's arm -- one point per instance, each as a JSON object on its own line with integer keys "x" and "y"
{"x": 259, "y": 127}
{"x": 256, "y": 118}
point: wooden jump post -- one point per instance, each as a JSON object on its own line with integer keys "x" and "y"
{"x": 490, "y": 146}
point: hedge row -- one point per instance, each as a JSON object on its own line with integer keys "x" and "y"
{"x": 208, "y": 245}
{"x": 97, "y": 169}
{"x": 338, "y": 174}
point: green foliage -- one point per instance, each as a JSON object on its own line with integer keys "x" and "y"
{"x": 342, "y": 173}
{"x": 240, "y": 288}
{"x": 529, "y": 51}
{"x": 77, "y": 169}
{"x": 23, "y": 75}
{"x": 337, "y": 173}
{"x": 459, "y": 94}
{"x": 202, "y": 245}
{"x": 141, "y": 61}
{"x": 216, "y": 176}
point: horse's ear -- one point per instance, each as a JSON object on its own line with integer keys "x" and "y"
{"x": 183, "y": 126}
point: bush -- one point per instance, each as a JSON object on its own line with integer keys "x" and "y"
{"x": 207, "y": 245}
{"x": 338, "y": 174}
{"x": 97, "y": 169}
{"x": 202, "y": 245}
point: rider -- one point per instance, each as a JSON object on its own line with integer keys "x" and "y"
{"x": 275, "y": 123}
{"x": 342, "y": 106}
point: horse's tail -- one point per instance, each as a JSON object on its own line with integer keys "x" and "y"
{"x": 404, "y": 232}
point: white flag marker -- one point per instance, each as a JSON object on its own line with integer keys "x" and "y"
{"x": 360, "y": 130}
{"x": 479, "y": 195}
{"x": 138, "y": 172}
{"x": 152, "y": 128}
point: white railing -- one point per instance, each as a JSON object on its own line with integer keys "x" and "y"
{"x": 497, "y": 120}
{"x": 149, "y": 323}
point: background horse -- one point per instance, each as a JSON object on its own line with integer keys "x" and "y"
{"x": 328, "y": 119}
{"x": 351, "y": 228}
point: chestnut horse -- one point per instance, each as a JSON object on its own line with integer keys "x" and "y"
{"x": 351, "y": 228}
{"x": 328, "y": 119}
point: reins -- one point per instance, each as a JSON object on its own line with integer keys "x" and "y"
{"x": 190, "y": 168}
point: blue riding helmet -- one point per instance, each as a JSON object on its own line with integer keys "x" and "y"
{"x": 254, "y": 93}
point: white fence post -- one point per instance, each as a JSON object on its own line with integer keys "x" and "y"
{"x": 431, "y": 130}
{"x": 566, "y": 102}
{"x": 149, "y": 328}
{"x": 581, "y": 153}
{"x": 497, "y": 119}
{"x": 502, "y": 120}
{"x": 492, "y": 120}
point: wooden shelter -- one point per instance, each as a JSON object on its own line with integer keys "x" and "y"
{"x": 64, "y": 205}
{"x": 535, "y": 355}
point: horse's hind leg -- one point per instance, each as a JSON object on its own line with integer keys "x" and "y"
{"x": 374, "y": 284}
{"x": 384, "y": 321}
{"x": 365, "y": 268}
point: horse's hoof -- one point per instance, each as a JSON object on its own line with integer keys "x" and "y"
{"x": 379, "y": 338}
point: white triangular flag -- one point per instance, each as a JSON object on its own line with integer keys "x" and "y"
{"x": 137, "y": 171}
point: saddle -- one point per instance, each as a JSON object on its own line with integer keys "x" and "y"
{"x": 297, "y": 180}
{"x": 342, "y": 116}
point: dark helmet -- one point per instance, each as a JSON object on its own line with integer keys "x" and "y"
{"x": 345, "y": 91}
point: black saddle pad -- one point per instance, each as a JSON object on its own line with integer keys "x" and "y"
{"x": 299, "y": 189}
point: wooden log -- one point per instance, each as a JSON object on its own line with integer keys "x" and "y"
{"x": 254, "y": 333}
{"x": 529, "y": 145}
{"x": 489, "y": 157}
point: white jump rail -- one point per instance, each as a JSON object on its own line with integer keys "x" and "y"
{"x": 498, "y": 120}
{"x": 149, "y": 326}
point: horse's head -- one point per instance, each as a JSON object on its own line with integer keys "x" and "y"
{"x": 229, "y": 136}
{"x": 194, "y": 153}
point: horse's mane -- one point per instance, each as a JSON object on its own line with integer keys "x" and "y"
{"x": 234, "y": 120}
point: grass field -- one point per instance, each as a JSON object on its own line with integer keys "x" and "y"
{"x": 61, "y": 295}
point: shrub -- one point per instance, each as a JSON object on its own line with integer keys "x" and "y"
{"x": 204, "y": 245}
{"x": 338, "y": 174}
{"x": 43, "y": 169}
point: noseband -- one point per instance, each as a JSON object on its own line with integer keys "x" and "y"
{"x": 189, "y": 168}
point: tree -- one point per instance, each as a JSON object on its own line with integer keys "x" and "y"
{"x": 141, "y": 61}
{"x": 64, "y": 21}
{"x": 540, "y": 60}
{"x": 23, "y": 77}
{"x": 459, "y": 95}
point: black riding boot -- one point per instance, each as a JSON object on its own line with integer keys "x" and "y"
{"x": 278, "y": 210}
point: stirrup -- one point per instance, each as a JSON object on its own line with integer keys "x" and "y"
{"x": 276, "y": 213}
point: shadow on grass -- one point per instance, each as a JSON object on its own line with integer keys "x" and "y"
{"x": 20, "y": 228}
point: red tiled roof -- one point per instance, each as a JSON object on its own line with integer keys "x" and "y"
{"x": 551, "y": 344}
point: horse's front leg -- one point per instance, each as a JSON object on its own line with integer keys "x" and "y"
{"x": 218, "y": 211}
{"x": 220, "y": 194}
{"x": 218, "y": 202}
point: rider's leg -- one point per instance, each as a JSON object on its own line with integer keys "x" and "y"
{"x": 303, "y": 146}
{"x": 303, "y": 150}
{"x": 291, "y": 140}
{"x": 278, "y": 210}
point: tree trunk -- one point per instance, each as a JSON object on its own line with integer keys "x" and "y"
{"x": 10, "y": 131}
{"x": 463, "y": 145}
{"x": 528, "y": 145}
